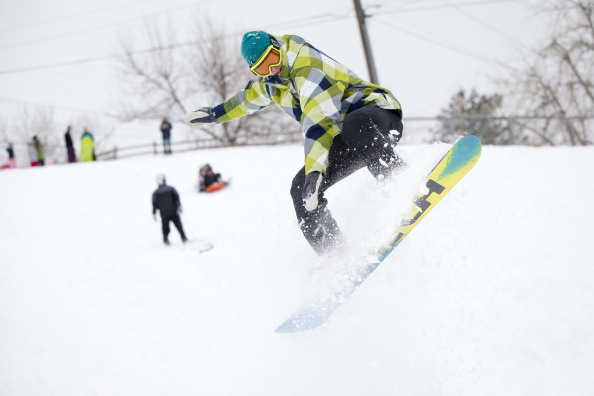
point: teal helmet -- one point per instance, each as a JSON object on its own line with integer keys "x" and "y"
{"x": 253, "y": 45}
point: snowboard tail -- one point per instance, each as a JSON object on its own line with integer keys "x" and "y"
{"x": 458, "y": 161}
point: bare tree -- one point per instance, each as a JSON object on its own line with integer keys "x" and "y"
{"x": 221, "y": 72}
{"x": 557, "y": 86}
{"x": 38, "y": 122}
{"x": 156, "y": 80}
{"x": 209, "y": 71}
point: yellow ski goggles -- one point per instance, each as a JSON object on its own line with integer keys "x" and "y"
{"x": 269, "y": 59}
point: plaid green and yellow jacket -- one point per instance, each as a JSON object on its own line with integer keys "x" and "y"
{"x": 312, "y": 88}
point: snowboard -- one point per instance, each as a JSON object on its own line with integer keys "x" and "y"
{"x": 449, "y": 170}
{"x": 198, "y": 245}
{"x": 201, "y": 246}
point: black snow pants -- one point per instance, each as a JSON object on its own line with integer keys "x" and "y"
{"x": 368, "y": 137}
{"x": 174, "y": 217}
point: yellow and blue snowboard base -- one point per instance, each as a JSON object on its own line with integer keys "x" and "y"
{"x": 449, "y": 171}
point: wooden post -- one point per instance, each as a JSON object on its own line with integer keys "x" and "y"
{"x": 366, "y": 44}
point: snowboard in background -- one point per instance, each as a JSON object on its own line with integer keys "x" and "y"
{"x": 197, "y": 245}
{"x": 201, "y": 246}
{"x": 448, "y": 171}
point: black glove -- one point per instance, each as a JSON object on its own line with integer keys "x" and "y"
{"x": 201, "y": 116}
{"x": 311, "y": 189}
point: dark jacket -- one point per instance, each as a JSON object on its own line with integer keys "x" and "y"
{"x": 68, "y": 139}
{"x": 166, "y": 200}
{"x": 166, "y": 128}
{"x": 208, "y": 178}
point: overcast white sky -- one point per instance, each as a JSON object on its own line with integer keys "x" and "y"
{"x": 425, "y": 50}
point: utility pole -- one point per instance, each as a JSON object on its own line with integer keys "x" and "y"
{"x": 366, "y": 44}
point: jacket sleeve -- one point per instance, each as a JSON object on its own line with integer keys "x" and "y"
{"x": 176, "y": 199}
{"x": 155, "y": 206}
{"x": 252, "y": 98}
{"x": 320, "y": 96}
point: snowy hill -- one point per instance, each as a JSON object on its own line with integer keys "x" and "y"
{"x": 490, "y": 295}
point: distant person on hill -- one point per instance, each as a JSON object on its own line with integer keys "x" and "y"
{"x": 11, "y": 160}
{"x": 87, "y": 147}
{"x": 348, "y": 123}
{"x": 40, "y": 151}
{"x": 166, "y": 201}
{"x": 32, "y": 152}
{"x": 71, "y": 156}
{"x": 208, "y": 180}
{"x": 166, "y": 133}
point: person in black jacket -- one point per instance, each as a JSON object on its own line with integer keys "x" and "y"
{"x": 166, "y": 200}
{"x": 166, "y": 133}
{"x": 69, "y": 145}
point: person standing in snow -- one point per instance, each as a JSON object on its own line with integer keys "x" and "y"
{"x": 11, "y": 160}
{"x": 32, "y": 152}
{"x": 166, "y": 201}
{"x": 69, "y": 146}
{"x": 166, "y": 133}
{"x": 347, "y": 123}
{"x": 87, "y": 147}
{"x": 40, "y": 151}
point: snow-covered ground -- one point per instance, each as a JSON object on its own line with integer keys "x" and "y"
{"x": 492, "y": 294}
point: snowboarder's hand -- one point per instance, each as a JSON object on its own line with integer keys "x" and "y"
{"x": 311, "y": 189}
{"x": 155, "y": 216}
{"x": 179, "y": 210}
{"x": 195, "y": 119}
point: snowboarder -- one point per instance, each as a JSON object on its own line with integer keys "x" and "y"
{"x": 209, "y": 181}
{"x": 166, "y": 133}
{"x": 166, "y": 200}
{"x": 347, "y": 123}
{"x": 87, "y": 146}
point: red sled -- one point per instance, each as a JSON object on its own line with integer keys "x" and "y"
{"x": 215, "y": 187}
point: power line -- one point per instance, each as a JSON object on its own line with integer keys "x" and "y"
{"x": 311, "y": 19}
{"x": 101, "y": 27}
{"x": 469, "y": 15}
{"x": 436, "y": 42}
{"x": 297, "y": 22}
{"x": 65, "y": 18}
{"x": 70, "y": 109}
{"x": 436, "y": 7}
{"x": 305, "y": 21}
{"x": 60, "y": 64}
